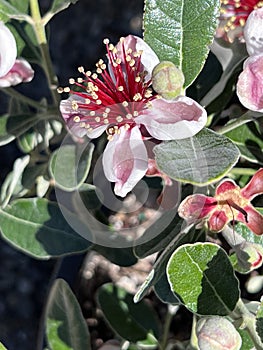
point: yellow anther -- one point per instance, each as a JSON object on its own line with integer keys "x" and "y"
{"x": 137, "y": 97}
{"x": 120, "y": 88}
{"x": 81, "y": 69}
{"x": 92, "y": 113}
{"x": 97, "y": 119}
{"x": 72, "y": 81}
{"x": 106, "y": 41}
{"x": 76, "y": 119}
{"x": 119, "y": 119}
{"x": 125, "y": 104}
{"x": 67, "y": 89}
{"x": 106, "y": 121}
{"x": 98, "y": 102}
{"x": 74, "y": 105}
{"x": 129, "y": 116}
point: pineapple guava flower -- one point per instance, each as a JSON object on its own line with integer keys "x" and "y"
{"x": 8, "y": 49}
{"x": 233, "y": 17}
{"x": 250, "y": 81}
{"x": 21, "y": 72}
{"x": 229, "y": 203}
{"x": 122, "y": 103}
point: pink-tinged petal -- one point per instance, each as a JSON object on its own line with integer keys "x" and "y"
{"x": 125, "y": 160}
{"x": 217, "y": 221}
{"x": 21, "y": 72}
{"x": 75, "y": 118}
{"x": 253, "y": 220}
{"x": 250, "y": 84}
{"x": 196, "y": 206}
{"x": 254, "y": 187}
{"x": 226, "y": 185}
{"x": 8, "y": 50}
{"x": 253, "y": 32}
{"x": 149, "y": 59}
{"x": 173, "y": 119}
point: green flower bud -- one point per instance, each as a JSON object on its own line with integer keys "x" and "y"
{"x": 167, "y": 80}
{"x": 217, "y": 333}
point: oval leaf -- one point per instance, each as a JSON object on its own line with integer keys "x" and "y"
{"x": 66, "y": 327}
{"x": 181, "y": 31}
{"x": 69, "y": 165}
{"x": 199, "y": 160}
{"x": 203, "y": 277}
{"x": 37, "y": 227}
{"x": 132, "y": 322}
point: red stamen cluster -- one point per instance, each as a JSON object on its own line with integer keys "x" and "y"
{"x": 236, "y": 12}
{"x": 115, "y": 98}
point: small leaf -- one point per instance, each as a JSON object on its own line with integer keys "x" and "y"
{"x": 181, "y": 31}
{"x": 38, "y": 228}
{"x": 247, "y": 343}
{"x": 59, "y": 5}
{"x": 66, "y": 327}
{"x": 12, "y": 126}
{"x": 248, "y": 138}
{"x": 2, "y": 347}
{"x": 202, "y": 275}
{"x": 132, "y": 322}
{"x": 200, "y": 160}
{"x": 69, "y": 165}
{"x": 8, "y": 11}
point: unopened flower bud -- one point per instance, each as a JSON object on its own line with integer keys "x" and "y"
{"x": 217, "y": 333}
{"x": 249, "y": 255}
{"x": 167, "y": 80}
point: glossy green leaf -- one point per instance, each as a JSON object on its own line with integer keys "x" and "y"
{"x": 186, "y": 235}
{"x": 248, "y": 138}
{"x": 66, "y": 328}
{"x": 200, "y": 160}
{"x": 202, "y": 276}
{"x": 131, "y": 321}
{"x": 163, "y": 291}
{"x": 11, "y": 126}
{"x": 181, "y": 31}
{"x": 119, "y": 256}
{"x": 259, "y": 321}
{"x": 37, "y": 227}
{"x": 69, "y": 165}
{"x": 20, "y": 5}
{"x": 2, "y": 347}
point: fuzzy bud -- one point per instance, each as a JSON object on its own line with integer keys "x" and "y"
{"x": 167, "y": 80}
{"x": 217, "y": 333}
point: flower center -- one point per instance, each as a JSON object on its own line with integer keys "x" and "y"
{"x": 236, "y": 12}
{"x": 232, "y": 202}
{"x": 114, "y": 95}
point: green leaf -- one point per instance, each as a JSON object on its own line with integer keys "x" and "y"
{"x": 200, "y": 160}
{"x": 12, "y": 126}
{"x": 163, "y": 291}
{"x": 69, "y": 165}
{"x": 66, "y": 327}
{"x": 8, "y": 11}
{"x": 186, "y": 235}
{"x": 202, "y": 275}
{"x": 59, "y": 5}
{"x": 259, "y": 321}
{"x": 20, "y": 5}
{"x": 118, "y": 256}
{"x": 37, "y": 227}
{"x": 2, "y": 347}
{"x": 133, "y": 322}
{"x": 248, "y": 138}
{"x": 181, "y": 31}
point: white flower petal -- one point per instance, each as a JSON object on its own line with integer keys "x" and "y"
{"x": 21, "y": 72}
{"x": 125, "y": 160}
{"x": 173, "y": 119}
{"x": 8, "y": 50}
{"x": 253, "y": 32}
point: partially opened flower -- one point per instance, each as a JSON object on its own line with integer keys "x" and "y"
{"x": 229, "y": 203}
{"x": 21, "y": 72}
{"x": 122, "y": 104}
{"x": 8, "y": 49}
{"x": 233, "y": 17}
